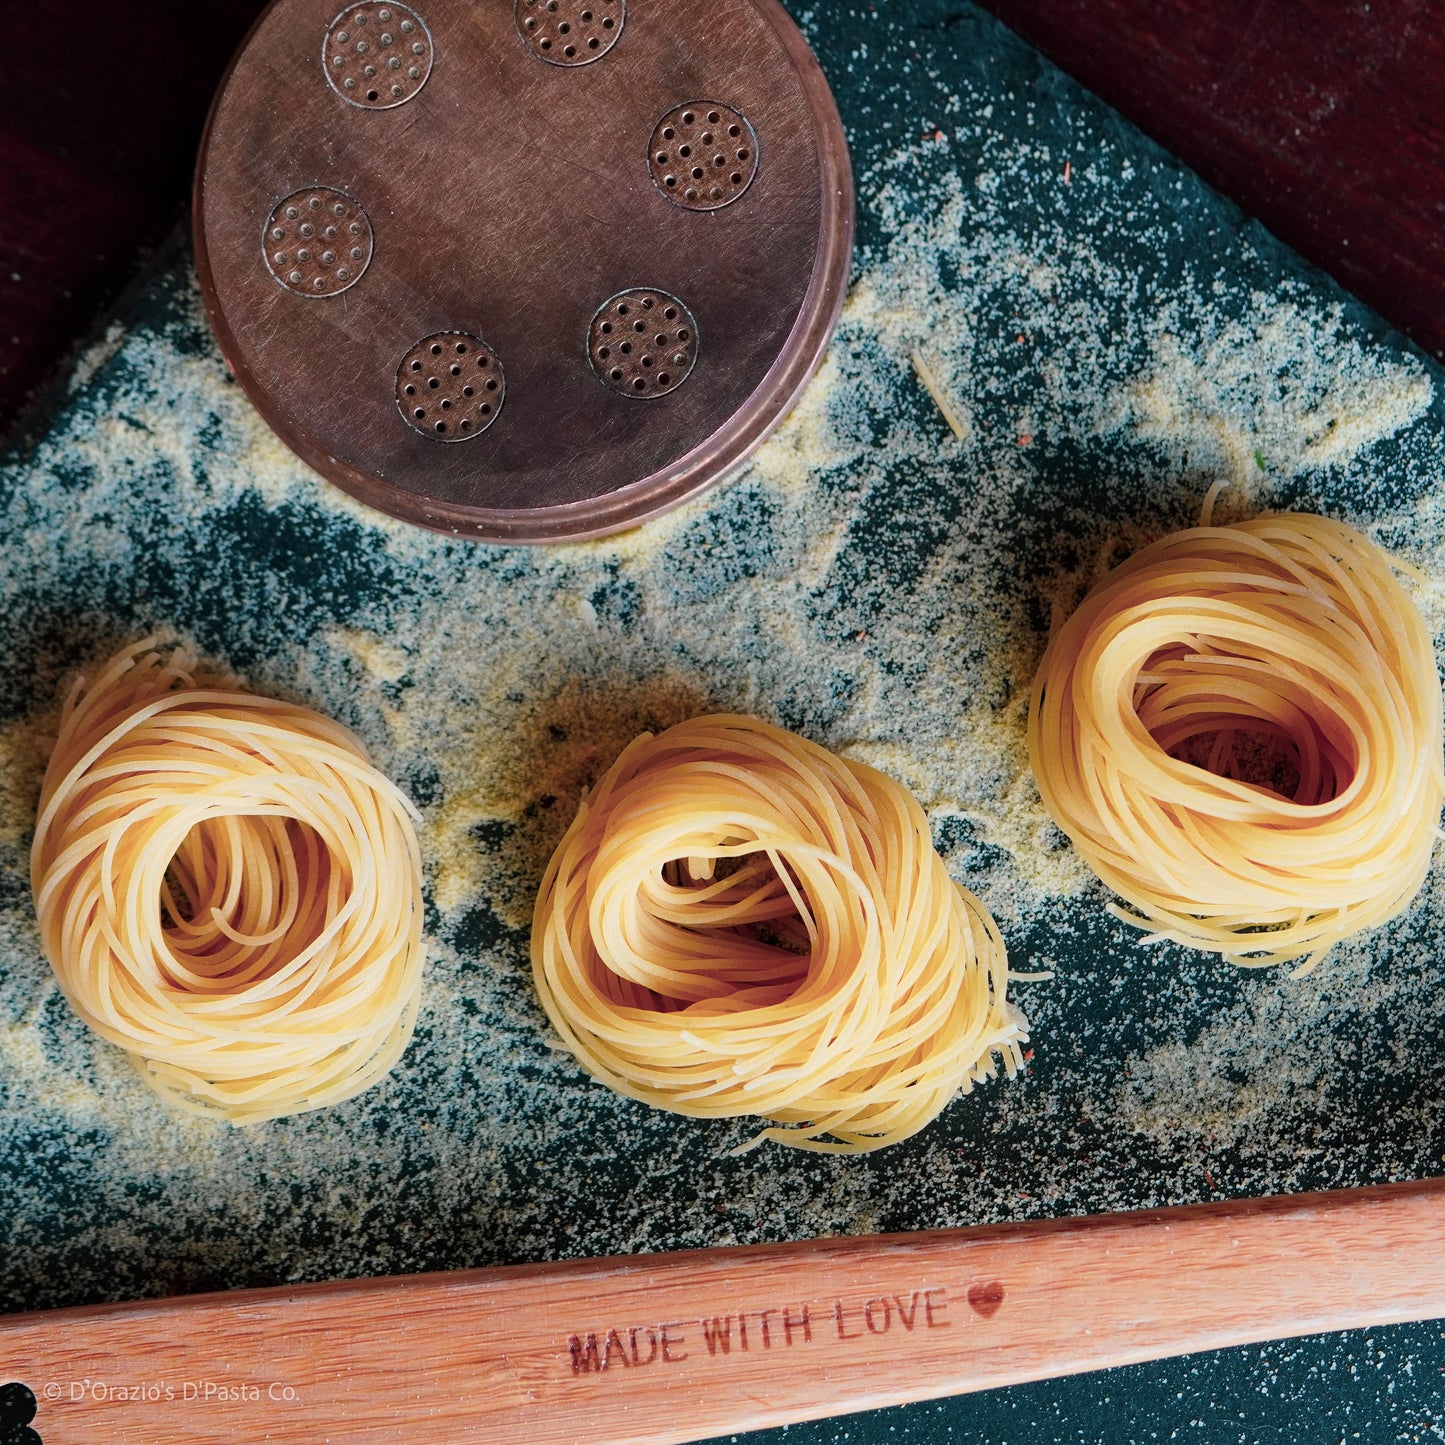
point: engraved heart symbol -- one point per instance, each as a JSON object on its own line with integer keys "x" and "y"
{"x": 986, "y": 1298}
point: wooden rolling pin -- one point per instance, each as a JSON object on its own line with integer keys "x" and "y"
{"x": 671, "y": 1348}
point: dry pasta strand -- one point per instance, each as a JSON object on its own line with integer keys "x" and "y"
{"x": 739, "y": 922}
{"x": 1241, "y": 730}
{"x": 227, "y": 889}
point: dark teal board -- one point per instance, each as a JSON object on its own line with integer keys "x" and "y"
{"x": 1116, "y": 338}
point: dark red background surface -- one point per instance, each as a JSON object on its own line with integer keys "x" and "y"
{"x": 98, "y": 133}
{"x": 1321, "y": 117}
{"x": 1318, "y": 116}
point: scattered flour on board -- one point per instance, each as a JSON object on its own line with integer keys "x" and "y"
{"x": 871, "y": 578}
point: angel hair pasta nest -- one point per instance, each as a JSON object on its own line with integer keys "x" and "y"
{"x": 1240, "y": 729}
{"x": 227, "y": 889}
{"x": 739, "y": 922}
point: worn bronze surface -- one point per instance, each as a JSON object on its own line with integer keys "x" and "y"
{"x": 508, "y": 200}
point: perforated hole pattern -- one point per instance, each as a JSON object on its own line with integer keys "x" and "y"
{"x": 450, "y": 386}
{"x": 703, "y": 155}
{"x": 318, "y": 241}
{"x": 377, "y": 56}
{"x": 570, "y": 32}
{"x": 643, "y": 343}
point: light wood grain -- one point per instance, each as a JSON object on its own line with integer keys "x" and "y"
{"x": 613, "y": 1351}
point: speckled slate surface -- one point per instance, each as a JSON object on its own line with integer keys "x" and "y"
{"x": 1114, "y": 338}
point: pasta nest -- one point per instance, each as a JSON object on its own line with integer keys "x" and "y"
{"x": 739, "y": 922}
{"x": 227, "y": 889}
{"x": 1240, "y": 729}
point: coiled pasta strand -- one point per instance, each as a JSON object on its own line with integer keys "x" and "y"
{"x": 739, "y": 922}
{"x": 227, "y": 889}
{"x": 1287, "y": 638}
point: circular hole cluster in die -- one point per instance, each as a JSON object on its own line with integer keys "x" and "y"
{"x": 570, "y": 32}
{"x": 643, "y": 344}
{"x": 450, "y": 386}
{"x": 317, "y": 242}
{"x": 377, "y": 56}
{"x": 703, "y": 155}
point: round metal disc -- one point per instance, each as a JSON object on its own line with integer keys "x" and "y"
{"x": 512, "y": 204}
